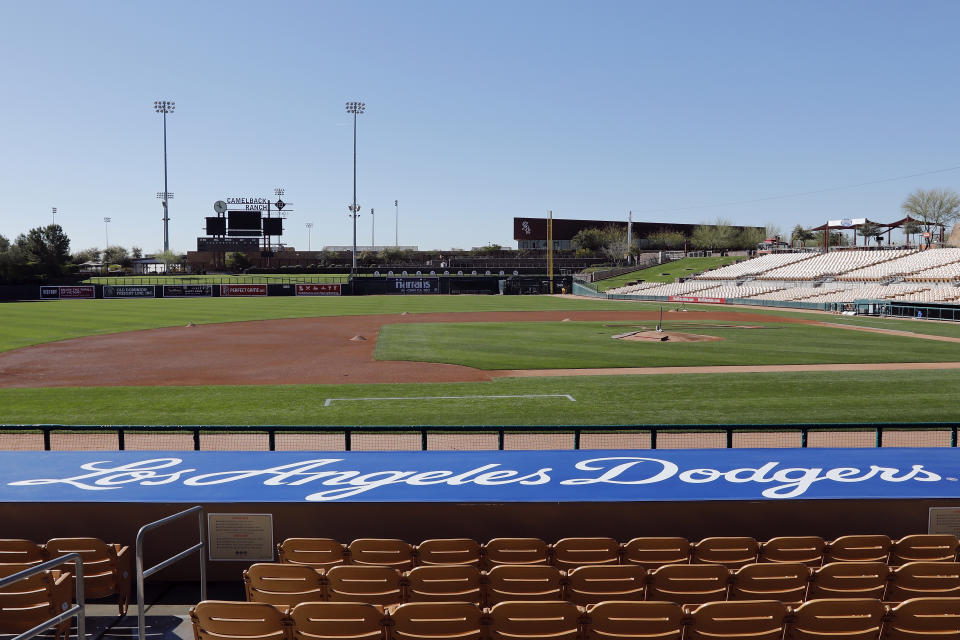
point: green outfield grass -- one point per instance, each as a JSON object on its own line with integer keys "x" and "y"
{"x": 668, "y": 272}
{"x": 854, "y": 396}
{"x": 587, "y": 345}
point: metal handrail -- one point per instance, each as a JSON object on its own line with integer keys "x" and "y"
{"x": 146, "y": 573}
{"x": 77, "y": 609}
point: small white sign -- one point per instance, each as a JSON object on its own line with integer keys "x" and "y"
{"x": 944, "y": 520}
{"x": 240, "y": 536}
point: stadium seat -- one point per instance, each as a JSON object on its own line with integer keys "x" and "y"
{"x": 849, "y": 580}
{"x": 595, "y": 583}
{"x": 437, "y": 621}
{"x": 753, "y": 619}
{"x": 319, "y": 553}
{"x": 689, "y": 583}
{"x": 860, "y": 548}
{"x": 831, "y": 619}
{"x": 374, "y": 585}
{"x": 382, "y": 552}
{"x": 923, "y": 619}
{"x": 34, "y": 600}
{"x": 337, "y": 621}
{"x": 924, "y": 579}
{"x": 783, "y": 581}
{"x": 619, "y": 620}
{"x": 651, "y": 553}
{"x": 523, "y": 582}
{"x": 106, "y": 567}
{"x": 732, "y": 552}
{"x": 927, "y": 547}
{"x": 444, "y": 583}
{"x": 449, "y": 551}
{"x": 283, "y": 584}
{"x": 516, "y": 551}
{"x": 569, "y": 553}
{"x": 14, "y": 550}
{"x": 219, "y": 619}
{"x": 806, "y": 549}
{"x": 534, "y": 621}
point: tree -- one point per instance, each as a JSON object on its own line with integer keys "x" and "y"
{"x": 47, "y": 249}
{"x": 800, "y": 235}
{"x": 869, "y": 230}
{"x": 933, "y": 207}
{"x": 749, "y": 238}
{"x": 666, "y": 239}
{"x": 4, "y": 244}
{"x": 116, "y": 255}
{"x": 235, "y": 261}
{"x": 591, "y": 239}
{"x": 911, "y": 228}
{"x": 136, "y": 253}
{"x": 86, "y": 255}
{"x": 717, "y": 236}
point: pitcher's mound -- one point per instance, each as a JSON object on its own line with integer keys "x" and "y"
{"x": 666, "y": 336}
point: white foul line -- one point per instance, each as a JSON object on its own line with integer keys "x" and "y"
{"x": 329, "y": 401}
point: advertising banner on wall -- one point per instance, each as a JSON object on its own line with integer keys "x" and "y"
{"x": 129, "y": 291}
{"x": 49, "y": 293}
{"x": 698, "y": 299}
{"x": 240, "y": 290}
{"x": 413, "y": 285}
{"x": 318, "y": 289}
{"x": 187, "y": 290}
{"x": 80, "y": 292}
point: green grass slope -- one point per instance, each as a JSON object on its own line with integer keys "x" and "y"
{"x": 667, "y": 272}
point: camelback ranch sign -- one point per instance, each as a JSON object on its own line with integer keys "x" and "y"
{"x": 479, "y": 476}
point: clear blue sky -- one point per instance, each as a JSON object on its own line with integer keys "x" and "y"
{"x": 476, "y": 112}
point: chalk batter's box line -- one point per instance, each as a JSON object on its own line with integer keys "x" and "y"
{"x": 330, "y": 401}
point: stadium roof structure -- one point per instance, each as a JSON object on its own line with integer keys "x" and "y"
{"x": 855, "y": 223}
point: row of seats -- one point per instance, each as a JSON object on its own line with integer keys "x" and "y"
{"x": 858, "y": 619}
{"x": 288, "y": 584}
{"x": 755, "y": 266}
{"x": 32, "y": 601}
{"x": 833, "y": 263}
{"x": 649, "y": 552}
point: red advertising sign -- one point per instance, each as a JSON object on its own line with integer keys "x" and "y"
{"x": 698, "y": 299}
{"x": 318, "y": 289}
{"x": 86, "y": 291}
{"x": 235, "y": 290}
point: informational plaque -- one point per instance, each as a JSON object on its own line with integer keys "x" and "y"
{"x": 944, "y": 520}
{"x": 240, "y": 536}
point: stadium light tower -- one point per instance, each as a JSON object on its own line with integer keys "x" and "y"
{"x": 396, "y": 222}
{"x": 309, "y": 226}
{"x": 106, "y": 233}
{"x": 165, "y": 107}
{"x": 54, "y": 210}
{"x": 373, "y": 227}
{"x": 355, "y": 108}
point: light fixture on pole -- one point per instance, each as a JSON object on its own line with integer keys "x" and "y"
{"x": 372, "y": 229}
{"x": 54, "y": 210}
{"x": 396, "y": 223}
{"x": 279, "y": 191}
{"x": 355, "y": 108}
{"x": 106, "y": 234}
{"x": 309, "y": 226}
{"x": 165, "y": 107}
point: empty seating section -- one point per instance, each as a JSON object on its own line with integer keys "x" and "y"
{"x": 834, "y": 263}
{"x": 756, "y": 266}
{"x": 913, "y": 264}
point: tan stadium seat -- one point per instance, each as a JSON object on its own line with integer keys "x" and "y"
{"x": 382, "y": 552}
{"x": 374, "y": 585}
{"x": 689, "y": 583}
{"x": 806, "y": 549}
{"x": 14, "y": 550}
{"x": 849, "y": 580}
{"x": 753, "y": 619}
{"x": 651, "y": 553}
{"x": 569, "y": 553}
{"x": 34, "y": 599}
{"x": 437, "y": 621}
{"x": 596, "y": 583}
{"x": 783, "y": 581}
{"x": 220, "y": 620}
{"x": 620, "y": 620}
{"x": 516, "y": 551}
{"x": 319, "y": 553}
{"x": 860, "y": 548}
{"x": 449, "y": 551}
{"x": 732, "y": 552}
{"x": 444, "y": 583}
{"x": 831, "y": 619}
{"x": 924, "y": 619}
{"x": 524, "y": 582}
{"x": 283, "y": 584}
{"x": 926, "y": 547}
{"x": 924, "y": 580}
{"x": 337, "y": 621}
{"x": 535, "y": 621}
{"x": 106, "y": 567}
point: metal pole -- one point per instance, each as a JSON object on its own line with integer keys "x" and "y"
{"x": 354, "y": 210}
{"x": 373, "y": 226}
{"x": 396, "y": 223}
{"x": 54, "y": 210}
{"x": 550, "y": 248}
{"x": 106, "y": 234}
{"x": 166, "y": 204}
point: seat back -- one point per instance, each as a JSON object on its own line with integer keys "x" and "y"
{"x": 849, "y": 580}
{"x": 33, "y": 600}
{"x": 449, "y": 551}
{"x": 515, "y": 551}
{"x": 806, "y": 549}
{"x": 620, "y": 620}
{"x": 15, "y": 550}
{"x": 924, "y": 547}
{"x": 596, "y": 583}
{"x": 924, "y": 580}
{"x": 783, "y": 581}
{"x": 534, "y": 621}
{"x": 651, "y": 553}
{"x": 337, "y": 620}
{"x": 830, "y": 619}
{"x": 319, "y": 553}
{"x": 859, "y": 548}
{"x": 106, "y": 567}
{"x": 924, "y": 619}
{"x": 732, "y": 552}
{"x": 753, "y": 619}
{"x": 689, "y": 583}
{"x": 524, "y": 582}
{"x": 569, "y": 553}
{"x": 373, "y": 585}
{"x": 283, "y": 584}
{"x": 218, "y": 619}
{"x": 444, "y": 583}
{"x": 382, "y": 552}
{"x": 437, "y": 621}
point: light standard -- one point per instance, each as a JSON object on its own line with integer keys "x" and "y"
{"x": 309, "y": 226}
{"x": 372, "y": 229}
{"x": 396, "y": 223}
{"x": 356, "y": 108}
{"x": 54, "y": 210}
{"x": 165, "y": 107}
{"x": 106, "y": 234}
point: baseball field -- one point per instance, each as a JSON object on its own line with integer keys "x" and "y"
{"x": 464, "y": 360}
